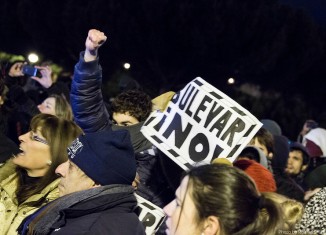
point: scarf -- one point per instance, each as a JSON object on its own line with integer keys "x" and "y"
{"x": 138, "y": 140}
{"x": 43, "y": 222}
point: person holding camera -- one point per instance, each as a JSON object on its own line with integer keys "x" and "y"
{"x": 22, "y": 99}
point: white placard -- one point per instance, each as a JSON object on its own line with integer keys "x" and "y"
{"x": 150, "y": 215}
{"x": 201, "y": 123}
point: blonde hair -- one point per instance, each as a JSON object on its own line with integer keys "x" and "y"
{"x": 292, "y": 209}
{"x": 62, "y": 107}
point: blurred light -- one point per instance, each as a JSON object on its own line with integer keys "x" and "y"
{"x": 231, "y": 81}
{"x": 126, "y": 65}
{"x": 33, "y": 58}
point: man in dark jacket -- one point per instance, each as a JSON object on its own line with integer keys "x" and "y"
{"x": 129, "y": 111}
{"x": 95, "y": 189}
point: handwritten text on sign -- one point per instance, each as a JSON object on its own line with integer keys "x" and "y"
{"x": 200, "y": 124}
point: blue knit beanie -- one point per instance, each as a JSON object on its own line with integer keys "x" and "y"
{"x": 107, "y": 157}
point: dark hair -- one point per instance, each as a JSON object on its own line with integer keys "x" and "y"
{"x": 59, "y": 133}
{"x": 229, "y": 194}
{"x": 135, "y": 102}
{"x": 266, "y": 138}
{"x": 305, "y": 155}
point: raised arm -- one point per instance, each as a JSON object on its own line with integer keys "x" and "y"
{"x": 86, "y": 96}
{"x": 94, "y": 40}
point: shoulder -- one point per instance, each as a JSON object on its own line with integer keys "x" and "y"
{"x": 7, "y": 169}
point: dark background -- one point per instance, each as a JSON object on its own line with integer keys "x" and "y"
{"x": 275, "y": 50}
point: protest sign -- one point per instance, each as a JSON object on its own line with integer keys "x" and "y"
{"x": 200, "y": 123}
{"x": 150, "y": 215}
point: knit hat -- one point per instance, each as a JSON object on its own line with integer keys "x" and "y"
{"x": 271, "y": 126}
{"x": 107, "y": 157}
{"x": 281, "y": 154}
{"x": 263, "y": 178}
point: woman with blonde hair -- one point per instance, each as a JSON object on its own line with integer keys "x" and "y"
{"x": 56, "y": 105}
{"x": 34, "y": 182}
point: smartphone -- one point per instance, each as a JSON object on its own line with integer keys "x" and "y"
{"x": 29, "y": 70}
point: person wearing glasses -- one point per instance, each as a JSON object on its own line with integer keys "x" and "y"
{"x": 33, "y": 182}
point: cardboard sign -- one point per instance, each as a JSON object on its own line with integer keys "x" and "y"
{"x": 201, "y": 123}
{"x": 150, "y": 215}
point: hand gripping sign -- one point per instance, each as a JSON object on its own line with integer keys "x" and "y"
{"x": 199, "y": 124}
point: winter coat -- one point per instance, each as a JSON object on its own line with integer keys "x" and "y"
{"x": 11, "y": 214}
{"x": 91, "y": 114}
{"x": 7, "y": 169}
{"x": 102, "y": 210}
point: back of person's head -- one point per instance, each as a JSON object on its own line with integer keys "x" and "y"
{"x": 107, "y": 157}
{"x": 272, "y": 126}
{"x": 281, "y": 154}
{"x": 59, "y": 133}
{"x": 136, "y": 103}
{"x": 229, "y": 194}
{"x": 62, "y": 107}
{"x": 292, "y": 209}
{"x": 316, "y": 178}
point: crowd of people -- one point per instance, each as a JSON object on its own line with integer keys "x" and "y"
{"x": 70, "y": 163}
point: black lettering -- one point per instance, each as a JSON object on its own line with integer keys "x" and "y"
{"x": 237, "y": 126}
{"x": 218, "y": 150}
{"x": 148, "y": 220}
{"x": 197, "y": 153}
{"x": 149, "y": 121}
{"x": 234, "y": 149}
{"x": 213, "y": 113}
{"x": 186, "y": 97}
{"x": 187, "y": 111}
{"x": 221, "y": 123}
{"x": 202, "y": 107}
{"x": 158, "y": 126}
{"x": 148, "y": 206}
{"x": 176, "y": 126}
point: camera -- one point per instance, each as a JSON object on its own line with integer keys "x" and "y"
{"x": 29, "y": 70}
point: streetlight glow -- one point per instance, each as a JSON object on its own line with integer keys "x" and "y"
{"x": 231, "y": 81}
{"x": 33, "y": 58}
{"x": 126, "y": 65}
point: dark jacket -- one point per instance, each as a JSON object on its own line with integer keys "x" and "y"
{"x": 21, "y": 106}
{"x": 91, "y": 115}
{"x": 97, "y": 211}
{"x": 284, "y": 183}
{"x": 7, "y": 148}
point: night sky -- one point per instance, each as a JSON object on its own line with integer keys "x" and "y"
{"x": 316, "y": 9}
{"x": 277, "y": 47}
